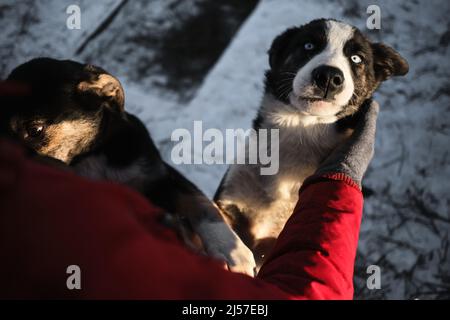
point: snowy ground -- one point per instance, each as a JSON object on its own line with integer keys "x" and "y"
{"x": 406, "y": 223}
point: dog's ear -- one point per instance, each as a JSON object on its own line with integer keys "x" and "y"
{"x": 278, "y": 50}
{"x": 102, "y": 88}
{"x": 387, "y": 62}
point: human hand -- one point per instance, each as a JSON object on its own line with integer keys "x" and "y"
{"x": 353, "y": 157}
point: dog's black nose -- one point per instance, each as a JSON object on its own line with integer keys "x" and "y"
{"x": 329, "y": 79}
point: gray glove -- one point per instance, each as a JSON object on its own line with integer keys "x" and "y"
{"x": 353, "y": 157}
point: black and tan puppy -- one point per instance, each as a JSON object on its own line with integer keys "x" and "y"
{"x": 75, "y": 114}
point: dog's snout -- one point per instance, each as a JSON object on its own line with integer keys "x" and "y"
{"x": 329, "y": 79}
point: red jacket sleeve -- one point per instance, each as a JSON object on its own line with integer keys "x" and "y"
{"x": 51, "y": 219}
{"x": 315, "y": 254}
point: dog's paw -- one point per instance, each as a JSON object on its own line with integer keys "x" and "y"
{"x": 241, "y": 259}
{"x": 221, "y": 242}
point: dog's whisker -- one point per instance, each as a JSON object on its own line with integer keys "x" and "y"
{"x": 284, "y": 88}
{"x": 284, "y": 84}
{"x": 285, "y": 92}
{"x": 287, "y": 72}
{"x": 287, "y": 79}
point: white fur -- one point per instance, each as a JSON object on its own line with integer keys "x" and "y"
{"x": 287, "y": 116}
{"x": 222, "y": 242}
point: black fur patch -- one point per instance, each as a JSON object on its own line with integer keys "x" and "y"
{"x": 287, "y": 55}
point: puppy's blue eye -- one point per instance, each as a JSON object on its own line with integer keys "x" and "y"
{"x": 309, "y": 46}
{"x": 356, "y": 59}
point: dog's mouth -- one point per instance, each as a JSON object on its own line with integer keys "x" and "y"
{"x": 313, "y": 99}
{"x": 314, "y": 105}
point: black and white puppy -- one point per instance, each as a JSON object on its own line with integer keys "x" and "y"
{"x": 75, "y": 113}
{"x": 320, "y": 74}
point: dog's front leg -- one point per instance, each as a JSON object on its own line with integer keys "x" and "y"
{"x": 205, "y": 218}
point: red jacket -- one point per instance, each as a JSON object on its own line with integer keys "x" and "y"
{"x": 50, "y": 219}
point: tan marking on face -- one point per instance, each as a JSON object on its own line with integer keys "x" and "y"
{"x": 69, "y": 138}
{"x": 105, "y": 86}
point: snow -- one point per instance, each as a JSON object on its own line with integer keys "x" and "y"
{"x": 35, "y": 28}
{"x": 405, "y": 229}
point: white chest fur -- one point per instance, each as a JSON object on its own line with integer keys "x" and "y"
{"x": 268, "y": 201}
